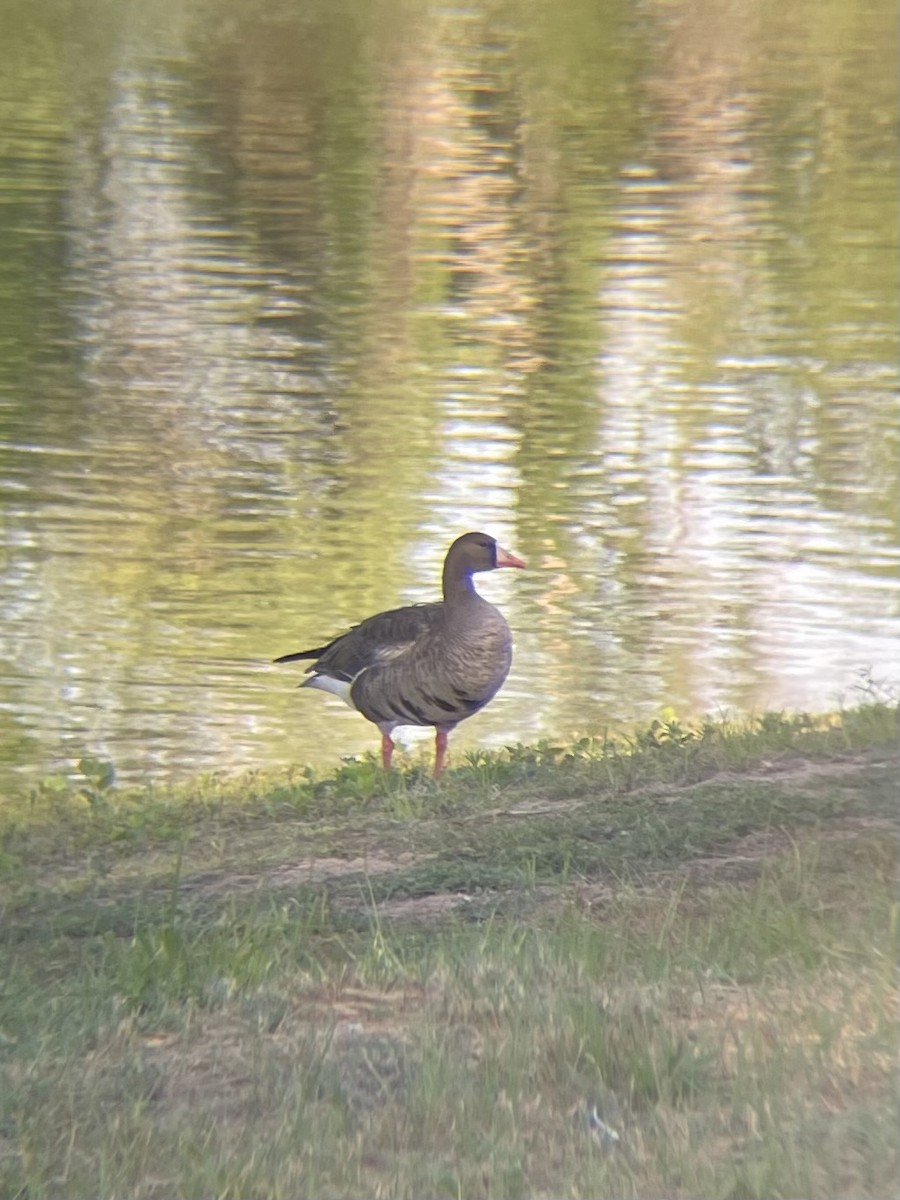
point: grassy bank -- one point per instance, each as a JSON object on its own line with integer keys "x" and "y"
{"x": 623, "y": 968}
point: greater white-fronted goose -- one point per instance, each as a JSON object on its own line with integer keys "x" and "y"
{"x": 426, "y": 664}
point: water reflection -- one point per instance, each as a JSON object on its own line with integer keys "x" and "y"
{"x": 291, "y": 299}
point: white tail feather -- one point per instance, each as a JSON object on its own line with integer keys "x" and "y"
{"x": 327, "y": 683}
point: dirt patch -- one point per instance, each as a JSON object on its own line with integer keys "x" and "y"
{"x": 320, "y": 870}
{"x": 424, "y": 908}
{"x": 308, "y": 870}
{"x": 797, "y": 771}
{"x": 745, "y": 861}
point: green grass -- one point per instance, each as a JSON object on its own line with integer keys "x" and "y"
{"x": 662, "y": 966}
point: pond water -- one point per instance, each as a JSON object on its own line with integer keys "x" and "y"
{"x": 290, "y": 295}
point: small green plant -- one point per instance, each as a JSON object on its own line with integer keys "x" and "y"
{"x": 101, "y": 778}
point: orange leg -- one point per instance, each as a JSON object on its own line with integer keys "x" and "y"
{"x": 440, "y": 750}
{"x": 387, "y": 749}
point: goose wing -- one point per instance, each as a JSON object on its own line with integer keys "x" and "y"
{"x": 380, "y": 639}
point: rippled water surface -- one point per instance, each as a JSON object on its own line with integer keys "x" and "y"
{"x": 290, "y": 295}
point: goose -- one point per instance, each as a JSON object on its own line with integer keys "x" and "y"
{"x": 425, "y": 664}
